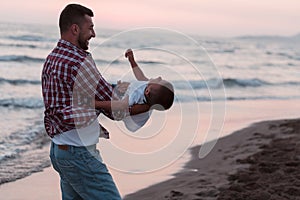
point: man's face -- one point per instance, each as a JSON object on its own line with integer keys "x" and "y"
{"x": 86, "y": 32}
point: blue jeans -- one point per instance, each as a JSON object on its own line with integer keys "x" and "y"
{"x": 83, "y": 175}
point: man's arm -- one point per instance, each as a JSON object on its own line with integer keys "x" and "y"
{"x": 138, "y": 73}
{"x": 122, "y": 105}
{"x": 113, "y": 105}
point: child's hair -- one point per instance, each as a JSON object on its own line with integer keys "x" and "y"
{"x": 164, "y": 97}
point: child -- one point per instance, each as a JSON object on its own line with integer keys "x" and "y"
{"x": 157, "y": 93}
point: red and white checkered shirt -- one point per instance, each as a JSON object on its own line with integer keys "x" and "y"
{"x": 70, "y": 84}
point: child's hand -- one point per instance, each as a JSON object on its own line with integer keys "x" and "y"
{"x": 129, "y": 54}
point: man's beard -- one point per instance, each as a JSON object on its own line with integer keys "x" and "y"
{"x": 82, "y": 43}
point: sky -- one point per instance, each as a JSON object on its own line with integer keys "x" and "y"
{"x": 201, "y": 17}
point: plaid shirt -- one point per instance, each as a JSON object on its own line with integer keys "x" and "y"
{"x": 70, "y": 84}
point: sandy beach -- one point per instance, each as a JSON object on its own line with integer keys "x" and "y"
{"x": 256, "y": 162}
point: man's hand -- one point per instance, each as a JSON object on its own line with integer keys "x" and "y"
{"x": 120, "y": 104}
{"x": 120, "y": 109}
{"x": 124, "y": 103}
{"x": 121, "y": 87}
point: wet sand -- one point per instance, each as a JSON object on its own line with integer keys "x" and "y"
{"x": 259, "y": 162}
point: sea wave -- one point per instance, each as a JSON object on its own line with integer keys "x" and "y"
{"x": 254, "y": 82}
{"x": 19, "y": 81}
{"x": 31, "y": 46}
{"x": 151, "y": 62}
{"x": 101, "y": 61}
{"x": 20, "y": 58}
{"x": 31, "y": 38}
{"x": 230, "y": 98}
{"x": 290, "y": 56}
{"x": 115, "y": 62}
{"x": 29, "y": 103}
{"x": 228, "y": 83}
{"x": 24, "y": 152}
{"x": 194, "y": 99}
{"x": 218, "y": 83}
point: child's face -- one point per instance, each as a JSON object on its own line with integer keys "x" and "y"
{"x": 153, "y": 87}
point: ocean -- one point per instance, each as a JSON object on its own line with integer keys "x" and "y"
{"x": 202, "y": 69}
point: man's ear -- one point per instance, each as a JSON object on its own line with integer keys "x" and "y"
{"x": 75, "y": 29}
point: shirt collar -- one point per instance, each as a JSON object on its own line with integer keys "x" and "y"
{"x": 145, "y": 99}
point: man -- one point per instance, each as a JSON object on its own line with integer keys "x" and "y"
{"x": 71, "y": 83}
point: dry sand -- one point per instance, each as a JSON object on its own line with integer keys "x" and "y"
{"x": 258, "y": 162}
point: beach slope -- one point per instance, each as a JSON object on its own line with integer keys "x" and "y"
{"x": 258, "y": 162}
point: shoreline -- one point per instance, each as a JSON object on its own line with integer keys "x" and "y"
{"x": 239, "y": 115}
{"x": 240, "y": 166}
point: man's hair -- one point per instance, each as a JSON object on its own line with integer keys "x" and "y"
{"x": 164, "y": 97}
{"x": 73, "y": 14}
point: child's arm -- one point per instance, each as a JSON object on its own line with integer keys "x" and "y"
{"x": 138, "y": 73}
